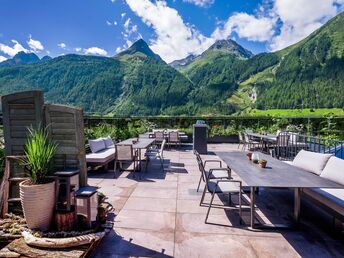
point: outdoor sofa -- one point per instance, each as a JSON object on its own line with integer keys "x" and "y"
{"x": 100, "y": 152}
{"x": 330, "y": 167}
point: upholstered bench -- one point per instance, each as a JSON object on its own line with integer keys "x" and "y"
{"x": 329, "y": 167}
{"x": 103, "y": 152}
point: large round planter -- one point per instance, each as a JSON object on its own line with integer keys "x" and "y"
{"x": 38, "y": 202}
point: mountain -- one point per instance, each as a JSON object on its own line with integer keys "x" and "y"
{"x": 46, "y": 58}
{"x": 183, "y": 62}
{"x": 140, "y": 47}
{"x": 136, "y": 83}
{"x": 309, "y": 74}
{"x": 223, "y": 80}
{"x": 21, "y": 58}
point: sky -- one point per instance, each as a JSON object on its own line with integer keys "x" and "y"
{"x": 172, "y": 28}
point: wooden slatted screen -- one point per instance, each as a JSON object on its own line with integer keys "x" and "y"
{"x": 66, "y": 127}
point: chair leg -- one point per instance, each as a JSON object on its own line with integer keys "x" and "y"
{"x": 240, "y": 212}
{"x": 199, "y": 183}
{"x": 203, "y": 194}
{"x": 211, "y": 202}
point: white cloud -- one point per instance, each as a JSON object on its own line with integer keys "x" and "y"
{"x": 108, "y": 23}
{"x": 123, "y": 14}
{"x": 78, "y": 49}
{"x": 201, "y": 3}
{"x": 112, "y": 1}
{"x": 12, "y": 51}
{"x": 248, "y": 27}
{"x": 2, "y": 58}
{"x": 62, "y": 45}
{"x": 95, "y": 51}
{"x": 300, "y": 18}
{"x": 35, "y": 45}
{"x": 115, "y": 23}
{"x": 174, "y": 39}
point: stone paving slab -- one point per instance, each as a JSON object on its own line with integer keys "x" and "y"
{"x": 157, "y": 214}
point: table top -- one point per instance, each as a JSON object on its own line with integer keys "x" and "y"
{"x": 143, "y": 143}
{"x": 276, "y": 174}
{"x": 263, "y": 136}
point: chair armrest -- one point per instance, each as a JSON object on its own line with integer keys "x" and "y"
{"x": 229, "y": 181}
{"x": 212, "y": 161}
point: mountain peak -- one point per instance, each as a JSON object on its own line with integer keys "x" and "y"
{"x": 231, "y": 47}
{"x": 140, "y": 46}
{"x": 21, "y": 58}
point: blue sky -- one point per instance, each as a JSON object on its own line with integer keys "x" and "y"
{"x": 173, "y": 28}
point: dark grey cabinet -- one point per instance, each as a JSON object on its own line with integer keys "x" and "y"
{"x": 200, "y": 132}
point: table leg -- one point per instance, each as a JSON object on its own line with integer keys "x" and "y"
{"x": 139, "y": 153}
{"x": 297, "y": 204}
{"x": 252, "y": 200}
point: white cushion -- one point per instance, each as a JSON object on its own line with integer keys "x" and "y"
{"x": 311, "y": 161}
{"x": 108, "y": 142}
{"x": 333, "y": 198}
{"x": 334, "y": 170}
{"x": 97, "y": 145}
{"x": 102, "y": 156}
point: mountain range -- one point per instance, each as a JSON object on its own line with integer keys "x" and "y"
{"x": 225, "y": 79}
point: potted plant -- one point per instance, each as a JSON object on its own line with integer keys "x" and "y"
{"x": 37, "y": 194}
{"x": 262, "y": 163}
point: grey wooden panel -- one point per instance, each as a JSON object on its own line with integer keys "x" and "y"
{"x": 69, "y": 136}
{"x": 20, "y": 111}
{"x": 276, "y": 174}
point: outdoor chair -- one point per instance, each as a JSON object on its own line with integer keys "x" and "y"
{"x": 217, "y": 173}
{"x": 282, "y": 144}
{"x": 222, "y": 187}
{"x": 156, "y": 154}
{"x": 159, "y": 137}
{"x": 241, "y": 140}
{"x": 126, "y": 154}
{"x": 173, "y": 138}
{"x": 250, "y": 142}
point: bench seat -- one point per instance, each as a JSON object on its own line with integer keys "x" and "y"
{"x": 101, "y": 157}
{"x": 329, "y": 198}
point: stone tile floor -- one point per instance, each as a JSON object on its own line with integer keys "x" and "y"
{"x": 159, "y": 216}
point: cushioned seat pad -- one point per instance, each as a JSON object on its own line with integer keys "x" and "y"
{"x": 217, "y": 174}
{"x": 102, "y": 156}
{"x": 223, "y": 187}
{"x": 333, "y": 198}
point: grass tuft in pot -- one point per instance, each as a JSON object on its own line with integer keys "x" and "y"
{"x": 39, "y": 154}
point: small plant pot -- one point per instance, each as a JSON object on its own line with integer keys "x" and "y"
{"x": 249, "y": 155}
{"x": 38, "y": 202}
{"x": 262, "y": 163}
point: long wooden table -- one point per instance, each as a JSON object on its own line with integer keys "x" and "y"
{"x": 277, "y": 174}
{"x": 139, "y": 144}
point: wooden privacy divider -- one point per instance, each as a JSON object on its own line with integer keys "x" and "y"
{"x": 66, "y": 127}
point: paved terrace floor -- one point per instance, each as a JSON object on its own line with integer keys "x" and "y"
{"x": 160, "y": 216}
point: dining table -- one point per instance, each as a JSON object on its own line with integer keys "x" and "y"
{"x": 138, "y": 144}
{"x": 277, "y": 174}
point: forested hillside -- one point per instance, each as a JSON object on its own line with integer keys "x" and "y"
{"x": 225, "y": 79}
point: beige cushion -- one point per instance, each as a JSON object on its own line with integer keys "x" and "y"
{"x": 102, "y": 156}
{"x": 97, "y": 145}
{"x": 311, "y": 161}
{"x": 334, "y": 170}
{"x": 108, "y": 142}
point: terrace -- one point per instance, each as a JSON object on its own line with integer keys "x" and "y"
{"x": 160, "y": 216}
{"x": 157, "y": 211}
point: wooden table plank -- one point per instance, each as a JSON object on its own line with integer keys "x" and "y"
{"x": 143, "y": 143}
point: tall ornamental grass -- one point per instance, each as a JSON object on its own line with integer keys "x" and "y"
{"x": 39, "y": 154}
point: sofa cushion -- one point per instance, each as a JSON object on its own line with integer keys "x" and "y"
{"x": 102, "y": 156}
{"x": 332, "y": 198}
{"x": 334, "y": 170}
{"x": 311, "y": 161}
{"x": 108, "y": 142}
{"x": 97, "y": 145}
